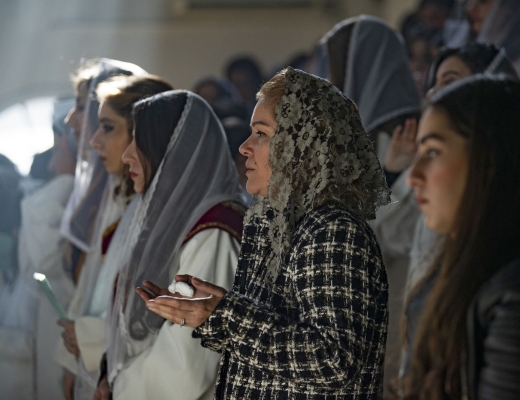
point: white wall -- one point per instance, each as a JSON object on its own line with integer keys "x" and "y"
{"x": 42, "y": 41}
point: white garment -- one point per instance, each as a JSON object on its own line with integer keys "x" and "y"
{"x": 90, "y": 330}
{"x": 176, "y": 366}
{"x": 28, "y": 329}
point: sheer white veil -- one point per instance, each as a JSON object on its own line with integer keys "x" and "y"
{"x": 196, "y": 173}
{"x": 91, "y": 179}
{"x": 377, "y": 75}
{"x": 502, "y": 28}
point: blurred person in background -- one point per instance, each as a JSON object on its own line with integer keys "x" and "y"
{"x": 188, "y": 220}
{"x": 85, "y": 332}
{"x": 245, "y": 74}
{"x": 466, "y": 180}
{"x": 10, "y": 219}
{"x": 222, "y": 96}
{"x": 237, "y": 132}
{"x": 28, "y": 330}
{"x": 497, "y": 22}
{"x": 92, "y": 206}
{"x": 368, "y": 62}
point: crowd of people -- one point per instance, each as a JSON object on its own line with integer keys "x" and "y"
{"x": 346, "y": 228}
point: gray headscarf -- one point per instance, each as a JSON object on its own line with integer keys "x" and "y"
{"x": 377, "y": 75}
{"x": 502, "y": 28}
{"x": 196, "y": 174}
{"x": 319, "y": 147}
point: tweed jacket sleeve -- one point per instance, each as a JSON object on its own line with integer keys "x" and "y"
{"x": 336, "y": 276}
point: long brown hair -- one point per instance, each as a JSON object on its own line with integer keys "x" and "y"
{"x": 484, "y": 110}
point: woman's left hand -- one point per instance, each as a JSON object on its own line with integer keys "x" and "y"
{"x": 69, "y": 336}
{"x": 188, "y": 311}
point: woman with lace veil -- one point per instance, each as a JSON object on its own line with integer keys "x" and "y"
{"x": 188, "y": 220}
{"x": 307, "y": 315}
{"x": 97, "y": 202}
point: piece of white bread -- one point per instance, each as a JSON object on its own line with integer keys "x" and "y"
{"x": 182, "y": 288}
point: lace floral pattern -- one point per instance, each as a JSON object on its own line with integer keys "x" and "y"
{"x": 320, "y": 143}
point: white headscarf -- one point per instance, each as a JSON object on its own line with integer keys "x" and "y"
{"x": 81, "y": 218}
{"x": 196, "y": 174}
{"x": 377, "y": 75}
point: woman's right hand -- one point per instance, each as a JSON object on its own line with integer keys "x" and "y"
{"x": 403, "y": 148}
{"x": 68, "y": 384}
{"x": 103, "y": 390}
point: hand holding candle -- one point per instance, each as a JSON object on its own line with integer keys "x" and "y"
{"x": 47, "y": 289}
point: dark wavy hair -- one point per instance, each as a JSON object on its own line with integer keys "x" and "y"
{"x": 155, "y": 119}
{"x": 482, "y": 109}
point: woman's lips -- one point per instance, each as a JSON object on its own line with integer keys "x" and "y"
{"x": 103, "y": 159}
{"x": 133, "y": 175}
{"x": 420, "y": 200}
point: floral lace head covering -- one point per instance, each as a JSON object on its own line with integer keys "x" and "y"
{"x": 320, "y": 152}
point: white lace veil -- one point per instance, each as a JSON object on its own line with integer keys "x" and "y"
{"x": 320, "y": 147}
{"x": 502, "y": 28}
{"x": 91, "y": 179}
{"x": 377, "y": 76}
{"x": 196, "y": 173}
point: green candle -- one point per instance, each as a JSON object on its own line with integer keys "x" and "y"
{"x": 47, "y": 289}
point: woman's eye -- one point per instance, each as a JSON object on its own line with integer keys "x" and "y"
{"x": 432, "y": 153}
{"x": 107, "y": 128}
{"x": 260, "y": 133}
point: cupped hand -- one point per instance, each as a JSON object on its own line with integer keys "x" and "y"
{"x": 69, "y": 336}
{"x": 103, "y": 391}
{"x": 402, "y": 148}
{"x": 194, "y": 311}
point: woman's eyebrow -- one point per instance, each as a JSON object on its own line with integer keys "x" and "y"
{"x": 261, "y": 123}
{"x": 451, "y": 72}
{"x": 431, "y": 136}
{"x": 105, "y": 119}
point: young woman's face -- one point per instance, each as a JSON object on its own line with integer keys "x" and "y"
{"x": 111, "y": 139}
{"x": 76, "y": 115}
{"x": 440, "y": 171}
{"x": 137, "y": 172}
{"x": 450, "y": 70}
{"x": 256, "y": 149}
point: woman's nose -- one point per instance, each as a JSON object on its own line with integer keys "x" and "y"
{"x": 95, "y": 141}
{"x": 416, "y": 177}
{"x": 245, "y": 148}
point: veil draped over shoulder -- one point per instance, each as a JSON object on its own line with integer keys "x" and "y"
{"x": 196, "y": 174}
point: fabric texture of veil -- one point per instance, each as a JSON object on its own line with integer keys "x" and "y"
{"x": 377, "y": 75}
{"x": 91, "y": 179}
{"x": 196, "y": 174}
{"x": 320, "y": 144}
{"x": 502, "y": 28}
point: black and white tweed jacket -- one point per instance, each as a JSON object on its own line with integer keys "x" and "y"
{"x": 319, "y": 331}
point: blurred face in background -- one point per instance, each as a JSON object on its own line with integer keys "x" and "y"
{"x": 244, "y": 81}
{"x": 440, "y": 171}
{"x": 450, "y": 70}
{"x": 138, "y": 173}
{"x": 111, "y": 139}
{"x": 478, "y": 10}
{"x": 256, "y": 149}
{"x": 76, "y": 116}
{"x": 63, "y": 160}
